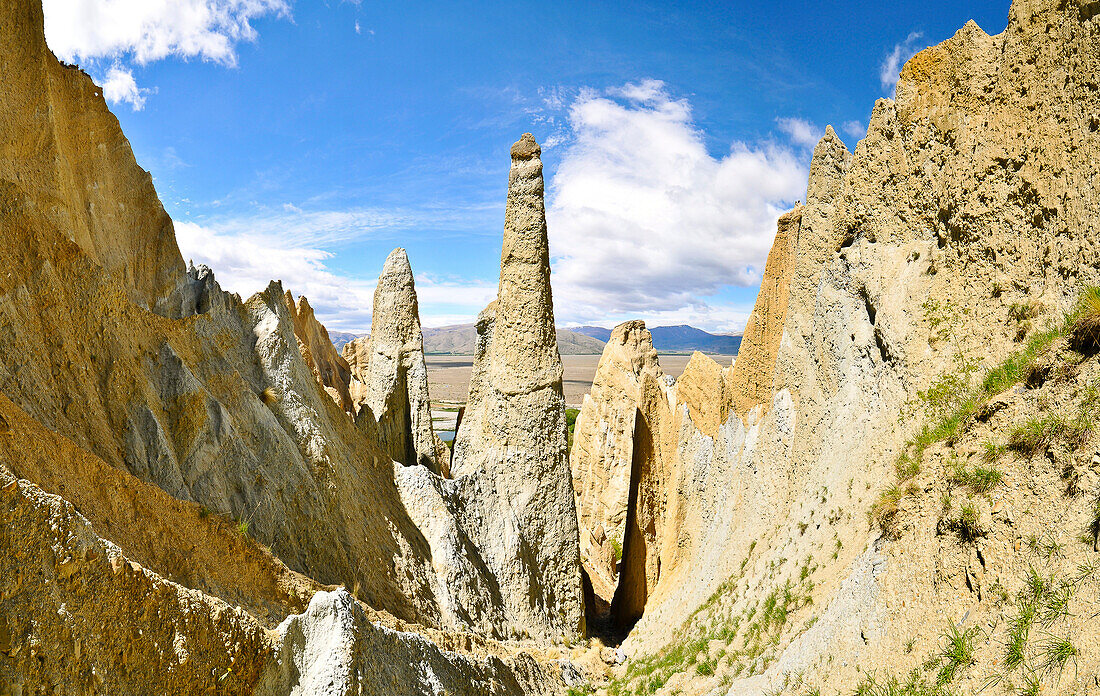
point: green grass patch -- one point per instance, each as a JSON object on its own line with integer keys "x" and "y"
{"x": 950, "y": 402}
{"x": 979, "y": 479}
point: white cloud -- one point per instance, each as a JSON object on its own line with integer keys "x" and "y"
{"x": 295, "y": 226}
{"x": 150, "y": 30}
{"x": 245, "y": 262}
{"x": 143, "y": 31}
{"x": 800, "y": 131}
{"x": 890, "y": 69}
{"x": 120, "y": 86}
{"x": 358, "y": 29}
{"x": 645, "y": 222}
{"x": 856, "y": 129}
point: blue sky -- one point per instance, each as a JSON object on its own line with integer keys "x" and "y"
{"x": 305, "y": 140}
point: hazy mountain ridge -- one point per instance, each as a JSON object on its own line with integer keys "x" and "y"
{"x": 676, "y": 339}
{"x": 342, "y": 338}
{"x": 461, "y": 339}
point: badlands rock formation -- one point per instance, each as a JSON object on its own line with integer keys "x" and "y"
{"x": 183, "y": 506}
{"x": 603, "y": 449}
{"x": 513, "y": 437}
{"x": 969, "y": 205}
{"x": 331, "y": 370}
{"x": 395, "y": 384}
{"x": 750, "y": 382}
{"x": 165, "y": 449}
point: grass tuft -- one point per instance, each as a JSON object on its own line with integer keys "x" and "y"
{"x": 980, "y": 480}
{"x": 884, "y": 511}
{"x": 958, "y": 653}
{"x": 268, "y": 396}
{"x": 1085, "y": 334}
{"x": 1036, "y": 433}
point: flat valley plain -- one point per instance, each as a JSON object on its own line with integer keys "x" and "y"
{"x": 449, "y": 375}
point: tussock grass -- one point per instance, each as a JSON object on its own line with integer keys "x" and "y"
{"x": 914, "y": 685}
{"x": 1036, "y": 433}
{"x": 980, "y": 479}
{"x": 1056, "y": 652}
{"x": 991, "y": 452}
{"x": 958, "y": 653}
{"x": 1085, "y": 336}
{"x": 884, "y": 511}
{"x": 268, "y": 396}
{"x": 967, "y": 525}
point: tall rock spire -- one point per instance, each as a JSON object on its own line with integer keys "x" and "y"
{"x": 513, "y": 438}
{"x": 396, "y": 381}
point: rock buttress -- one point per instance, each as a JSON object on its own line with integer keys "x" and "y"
{"x": 602, "y": 452}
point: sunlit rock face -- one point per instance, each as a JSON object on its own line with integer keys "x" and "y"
{"x": 395, "y": 381}
{"x": 512, "y": 443}
{"x": 328, "y": 367}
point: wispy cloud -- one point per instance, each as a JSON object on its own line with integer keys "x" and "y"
{"x": 245, "y": 262}
{"x": 143, "y": 31}
{"x": 856, "y": 129}
{"x": 800, "y": 131}
{"x": 890, "y": 70}
{"x": 645, "y": 222}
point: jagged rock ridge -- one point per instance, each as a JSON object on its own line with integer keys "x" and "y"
{"x": 331, "y": 370}
{"x": 201, "y": 449}
{"x": 963, "y": 203}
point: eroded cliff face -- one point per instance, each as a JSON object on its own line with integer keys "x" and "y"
{"x": 328, "y": 367}
{"x": 202, "y": 452}
{"x": 960, "y": 227}
{"x": 65, "y": 162}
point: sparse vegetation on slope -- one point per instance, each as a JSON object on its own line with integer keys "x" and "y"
{"x": 950, "y": 403}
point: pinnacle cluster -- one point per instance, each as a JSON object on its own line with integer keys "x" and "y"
{"x": 893, "y": 488}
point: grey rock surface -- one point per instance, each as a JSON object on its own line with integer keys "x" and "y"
{"x": 395, "y": 385}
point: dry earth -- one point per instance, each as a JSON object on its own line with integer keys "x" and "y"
{"x": 449, "y": 375}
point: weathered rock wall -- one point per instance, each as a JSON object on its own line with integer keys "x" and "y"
{"x": 79, "y": 616}
{"x": 750, "y": 381}
{"x": 328, "y": 367}
{"x": 973, "y": 192}
{"x": 64, "y": 157}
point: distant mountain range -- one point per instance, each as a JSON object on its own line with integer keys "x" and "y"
{"x": 339, "y": 338}
{"x": 676, "y": 339}
{"x": 461, "y": 339}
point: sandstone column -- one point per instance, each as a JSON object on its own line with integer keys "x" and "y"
{"x": 396, "y": 383}
{"x": 513, "y": 439}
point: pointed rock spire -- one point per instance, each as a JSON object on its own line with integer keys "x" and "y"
{"x": 513, "y": 439}
{"x": 396, "y": 382}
